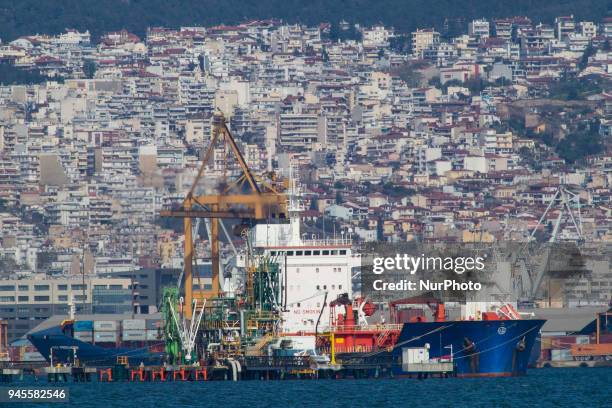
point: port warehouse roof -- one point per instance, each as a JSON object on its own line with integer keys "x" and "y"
{"x": 568, "y": 319}
{"x": 56, "y": 320}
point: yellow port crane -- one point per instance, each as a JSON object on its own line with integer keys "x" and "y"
{"x": 244, "y": 198}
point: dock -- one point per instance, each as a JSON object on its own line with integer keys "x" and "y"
{"x": 237, "y": 369}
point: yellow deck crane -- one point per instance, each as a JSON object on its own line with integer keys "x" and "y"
{"x": 244, "y": 197}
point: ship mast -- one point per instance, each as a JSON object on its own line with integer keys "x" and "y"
{"x": 295, "y": 205}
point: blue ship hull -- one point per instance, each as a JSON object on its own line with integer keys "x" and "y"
{"x": 54, "y": 344}
{"x": 484, "y": 348}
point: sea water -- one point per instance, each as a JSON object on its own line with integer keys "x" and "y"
{"x": 548, "y": 387}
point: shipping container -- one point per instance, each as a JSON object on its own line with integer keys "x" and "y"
{"x": 592, "y": 350}
{"x": 561, "y": 355}
{"x": 546, "y": 343}
{"x": 105, "y": 325}
{"x": 83, "y": 326}
{"x": 105, "y": 336}
{"x": 86, "y": 336}
{"x": 153, "y": 324}
{"x": 563, "y": 342}
{"x": 415, "y": 355}
{"x": 582, "y": 340}
{"x": 134, "y": 335}
{"x": 133, "y": 324}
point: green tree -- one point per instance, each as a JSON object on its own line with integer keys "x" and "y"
{"x": 89, "y": 69}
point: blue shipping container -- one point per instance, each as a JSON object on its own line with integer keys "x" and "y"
{"x": 83, "y": 325}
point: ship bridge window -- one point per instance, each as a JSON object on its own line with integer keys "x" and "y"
{"x": 272, "y": 253}
{"x": 308, "y": 253}
{"x": 339, "y": 287}
{"x": 343, "y": 252}
{"x": 334, "y": 252}
{"x": 289, "y": 253}
{"x": 299, "y": 253}
{"x": 315, "y": 253}
{"x": 325, "y": 252}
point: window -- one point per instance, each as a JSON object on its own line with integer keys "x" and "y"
{"x": 99, "y": 286}
{"x": 41, "y": 298}
{"x": 62, "y": 287}
{"x": 62, "y": 298}
{"x": 326, "y": 252}
{"x": 308, "y": 253}
{"x": 324, "y": 287}
{"x": 289, "y": 253}
{"x": 23, "y": 298}
{"x": 272, "y": 253}
{"x": 343, "y": 252}
{"x": 7, "y": 298}
{"x": 7, "y": 288}
{"x": 23, "y": 287}
{"x": 339, "y": 287}
{"x": 115, "y": 287}
{"x": 333, "y": 287}
{"x": 299, "y": 253}
{"x": 317, "y": 270}
{"x": 41, "y": 288}
{"x": 316, "y": 253}
{"x": 78, "y": 287}
{"x": 318, "y": 287}
{"x": 334, "y": 252}
{"x": 80, "y": 297}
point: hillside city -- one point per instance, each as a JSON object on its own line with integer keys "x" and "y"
{"x": 397, "y": 136}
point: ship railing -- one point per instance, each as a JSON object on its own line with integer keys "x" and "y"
{"x": 347, "y": 349}
{"x": 287, "y": 362}
{"x": 344, "y": 241}
{"x": 366, "y": 328}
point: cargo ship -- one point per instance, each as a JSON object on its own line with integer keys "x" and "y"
{"x": 486, "y": 339}
{"x": 100, "y": 340}
{"x": 291, "y": 288}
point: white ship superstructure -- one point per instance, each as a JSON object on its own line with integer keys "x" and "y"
{"x": 314, "y": 271}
